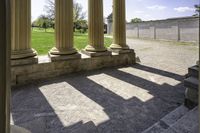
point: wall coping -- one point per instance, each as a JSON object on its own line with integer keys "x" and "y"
{"x": 168, "y": 19}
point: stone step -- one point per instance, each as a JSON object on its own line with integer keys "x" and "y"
{"x": 187, "y": 124}
{"x": 193, "y": 71}
{"x": 88, "y": 127}
{"x": 191, "y": 83}
{"x": 167, "y": 120}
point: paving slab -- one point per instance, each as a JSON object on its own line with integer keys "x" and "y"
{"x": 127, "y": 99}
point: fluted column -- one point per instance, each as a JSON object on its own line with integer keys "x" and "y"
{"x": 63, "y": 28}
{"x": 119, "y": 25}
{"x": 21, "y": 29}
{"x": 95, "y": 26}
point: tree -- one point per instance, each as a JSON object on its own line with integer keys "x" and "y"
{"x": 136, "y": 20}
{"x": 43, "y": 22}
{"x": 110, "y": 18}
{"x": 50, "y": 9}
{"x": 78, "y": 10}
{"x": 81, "y": 25}
{"x": 197, "y": 9}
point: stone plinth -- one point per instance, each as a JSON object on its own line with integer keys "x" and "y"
{"x": 24, "y": 61}
{"x": 29, "y": 73}
{"x": 96, "y": 54}
{"x": 64, "y": 57}
{"x": 119, "y": 51}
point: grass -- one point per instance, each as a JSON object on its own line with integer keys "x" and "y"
{"x": 43, "y": 41}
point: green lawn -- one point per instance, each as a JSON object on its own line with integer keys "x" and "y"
{"x": 43, "y": 41}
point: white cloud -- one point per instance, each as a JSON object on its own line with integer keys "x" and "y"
{"x": 157, "y": 7}
{"x": 184, "y": 9}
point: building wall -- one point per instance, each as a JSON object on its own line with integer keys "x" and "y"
{"x": 176, "y": 29}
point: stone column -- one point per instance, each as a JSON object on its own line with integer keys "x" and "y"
{"x": 21, "y": 32}
{"x": 5, "y": 87}
{"x": 64, "y": 48}
{"x": 5, "y": 66}
{"x": 95, "y": 29}
{"x": 119, "y": 26}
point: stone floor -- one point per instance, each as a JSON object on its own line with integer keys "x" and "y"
{"x": 126, "y": 99}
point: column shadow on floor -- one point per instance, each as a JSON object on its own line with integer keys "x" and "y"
{"x": 30, "y": 108}
{"x": 159, "y": 72}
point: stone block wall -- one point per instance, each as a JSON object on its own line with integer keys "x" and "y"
{"x": 28, "y": 73}
{"x": 176, "y": 29}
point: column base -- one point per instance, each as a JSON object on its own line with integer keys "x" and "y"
{"x": 16, "y": 129}
{"x": 24, "y": 61}
{"x": 90, "y": 48}
{"x": 20, "y": 54}
{"x": 120, "y": 51}
{"x": 118, "y": 47}
{"x": 64, "y": 57}
{"x": 64, "y": 51}
{"x": 96, "y": 54}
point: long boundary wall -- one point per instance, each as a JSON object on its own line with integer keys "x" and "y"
{"x": 184, "y": 29}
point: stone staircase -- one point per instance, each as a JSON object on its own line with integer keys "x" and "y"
{"x": 181, "y": 120}
{"x": 191, "y": 83}
{"x": 184, "y": 119}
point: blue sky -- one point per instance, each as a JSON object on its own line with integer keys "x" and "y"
{"x": 144, "y": 9}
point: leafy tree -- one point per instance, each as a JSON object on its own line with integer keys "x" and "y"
{"x": 136, "y": 20}
{"x": 197, "y": 9}
{"x": 110, "y": 18}
{"x": 81, "y": 25}
{"x": 78, "y": 10}
{"x": 43, "y": 22}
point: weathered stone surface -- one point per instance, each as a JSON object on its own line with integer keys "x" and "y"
{"x": 178, "y": 29}
{"x": 192, "y": 83}
{"x": 175, "y": 115}
{"x": 88, "y": 127}
{"x": 187, "y": 124}
{"x": 156, "y": 128}
{"x": 121, "y": 51}
{"x": 192, "y": 96}
{"x": 96, "y": 54}
{"x": 64, "y": 57}
{"x": 16, "y": 129}
{"x": 126, "y": 99}
{"x": 24, "y": 61}
{"x": 167, "y": 121}
{"x": 28, "y": 73}
{"x": 193, "y": 71}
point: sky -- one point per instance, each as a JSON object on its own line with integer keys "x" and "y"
{"x": 144, "y": 9}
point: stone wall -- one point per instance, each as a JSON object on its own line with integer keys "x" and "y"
{"x": 176, "y": 29}
{"x": 47, "y": 69}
